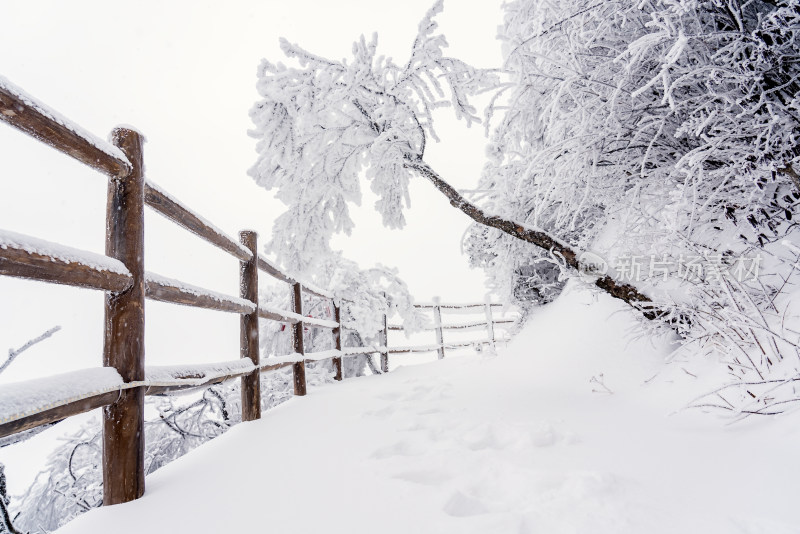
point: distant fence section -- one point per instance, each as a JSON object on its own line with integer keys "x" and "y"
{"x": 485, "y": 317}
{"x": 119, "y": 387}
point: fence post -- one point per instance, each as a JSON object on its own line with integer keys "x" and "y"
{"x": 489, "y": 322}
{"x": 248, "y": 328}
{"x": 123, "y": 344}
{"x": 437, "y": 323}
{"x": 299, "y": 368}
{"x": 337, "y": 338}
{"x": 385, "y": 345}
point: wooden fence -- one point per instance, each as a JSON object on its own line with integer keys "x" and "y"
{"x": 121, "y": 274}
{"x": 487, "y": 322}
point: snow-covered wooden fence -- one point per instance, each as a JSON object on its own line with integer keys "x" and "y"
{"x": 487, "y": 322}
{"x": 121, "y": 385}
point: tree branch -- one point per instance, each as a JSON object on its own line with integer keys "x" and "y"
{"x": 625, "y": 292}
{"x": 12, "y": 354}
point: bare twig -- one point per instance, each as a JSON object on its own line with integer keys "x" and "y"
{"x": 600, "y": 382}
{"x": 12, "y": 353}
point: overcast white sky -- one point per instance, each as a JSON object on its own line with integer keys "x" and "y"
{"x": 183, "y": 73}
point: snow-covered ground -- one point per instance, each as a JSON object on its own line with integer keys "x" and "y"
{"x": 528, "y": 441}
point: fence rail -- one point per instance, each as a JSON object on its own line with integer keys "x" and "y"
{"x": 173, "y": 210}
{"x": 488, "y": 322}
{"x": 121, "y": 274}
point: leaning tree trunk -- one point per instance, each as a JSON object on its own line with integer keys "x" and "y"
{"x": 624, "y": 292}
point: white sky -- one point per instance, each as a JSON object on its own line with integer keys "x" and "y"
{"x": 183, "y": 73}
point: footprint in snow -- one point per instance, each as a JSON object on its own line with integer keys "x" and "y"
{"x": 496, "y": 435}
{"x": 547, "y": 434}
{"x": 461, "y": 505}
{"x": 479, "y": 438}
{"x": 430, "y": 477}
{"x": 430, "y": 411}
{"x": 401, "y": 448}
{"x": 391, "y": 396}
{"x": 381, "y": 412}
{"x": 412, "y": 426}
{"x": 499, "y": 435}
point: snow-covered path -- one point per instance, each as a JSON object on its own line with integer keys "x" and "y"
{"x": 516, "y": 444}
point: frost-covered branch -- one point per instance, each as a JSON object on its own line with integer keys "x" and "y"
{"x": 544, "y": 241}
{"x": 13, "y": 353}
{"x": 320, "y": 126}
{"x": 6, "y": 523}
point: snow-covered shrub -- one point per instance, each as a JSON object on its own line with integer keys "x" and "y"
{"x": 277, "y": 338}
{"x": 364, "y": 296}
{"x": 646, "y": 127}
{"x": 660, "y": 130}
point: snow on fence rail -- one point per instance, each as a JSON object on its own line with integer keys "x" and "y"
{"x": 488, "y": 322}
{"x": 123, "y": 383}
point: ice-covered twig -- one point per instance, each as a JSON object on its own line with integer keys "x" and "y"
{"x": 13, "y": 353}
{"x": 598, "y": 379}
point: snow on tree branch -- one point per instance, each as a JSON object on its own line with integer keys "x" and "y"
{"x": 660, "y": 131}
{"x": 322, "y": 125}
{"x": 13, "y": 353}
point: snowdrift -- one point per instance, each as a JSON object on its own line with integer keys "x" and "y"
{"x": 577, "y": 427}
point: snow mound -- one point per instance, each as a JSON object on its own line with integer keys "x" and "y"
{"x": 567, "y": 431}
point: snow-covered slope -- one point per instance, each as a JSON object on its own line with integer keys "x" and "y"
{"x": 519, "y": 443}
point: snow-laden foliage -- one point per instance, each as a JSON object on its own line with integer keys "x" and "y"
{"x": 277, "y": 338}
{"x": 321, "y": 125}
{"x": 372, "y": 294}
{"x": 665, "y": 124}
{"x": 367, "y": 295}
{"x": 660, "y": 130}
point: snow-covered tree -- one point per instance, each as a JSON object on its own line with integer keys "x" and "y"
{"x": 660, "y": 130}
{"x": 660, "y": 126}
{"x": 663, "y": 129}
{"x": 321, "y": 125}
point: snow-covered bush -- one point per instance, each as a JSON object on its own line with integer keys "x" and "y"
{"x": 277, "y": 338}
{"x": 364, "y": 296}
{"x": 646, "y": 127}
{"x": 661, "y": 130}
